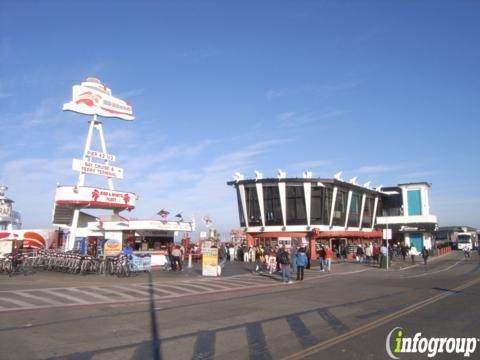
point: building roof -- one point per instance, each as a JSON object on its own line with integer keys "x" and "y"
{"x": 416, "y": 183}
{"x": 317, "y": 181}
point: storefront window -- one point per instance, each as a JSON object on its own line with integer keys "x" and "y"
{"x": 253, "y": 208}
{"x": 272, "y": 205}
{"x": 354, "y": 215}
{"x": 327, "y": 208}
{"x": 316, "y": 204}
{"x": 296, "y": 212}
{"x": 367, "y": 213}
{"x": 340, "y": 208}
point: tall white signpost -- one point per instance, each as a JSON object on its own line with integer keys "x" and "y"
{"x": 94, "y": 98}
{"x": 387, "y": 235}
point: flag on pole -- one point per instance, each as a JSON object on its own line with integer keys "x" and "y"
{"x": 207, "y": 220}
{"x": 163, "y": 213}
{"x": 100, "y": 222}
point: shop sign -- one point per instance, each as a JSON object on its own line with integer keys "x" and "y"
{"x": 94, "y": 197}
{"x": 100, "y": 155}
{"x": 112, "y": 247}
{"x": 93, "y": 168}
{"x": 209, "y": 262}
{"x": 94, "y": 98}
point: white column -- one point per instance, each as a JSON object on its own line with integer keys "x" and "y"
{"x": 332, "y": 210}
{"x": 364, "y": 197}
{"x": 88, "y": 144}
{"x": 73, "y": 230}
{"x": 241, "y": 190}
{"x": 104, "y": 150}
{"x": 282, "y": 191}
{"x": 374, "y": 215}
{"x": 81, "y": 182}
{"x": 348, "y": 208}
{"x": 307, "y": 190}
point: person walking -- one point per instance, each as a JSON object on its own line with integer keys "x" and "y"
{"x": 284, "y": 259}
{"x": 383, "y": 252}
{"x": 301, "y": 260}
{"x": 176, "y": 255}
{"x": 413, "y": 252}
{"x": 403, "y": 251}
{"x": 425, "y": 255}
{"x": 328, "y": 258}
{"x": 222, "y": 258}
{"x": 369, "y": 252}
{"x": 321, "y": 258}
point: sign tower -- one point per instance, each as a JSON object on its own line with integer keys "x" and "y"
{"x": 93, "y": 98}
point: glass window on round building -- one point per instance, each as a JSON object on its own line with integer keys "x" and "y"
{"x": 296, "y": 212}
{"x": 253, "y": 208}
{"x": 340, "y": 208}
{"x": 272, "y": 205}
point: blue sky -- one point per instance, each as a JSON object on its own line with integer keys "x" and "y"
{"x": 384, "y": 90}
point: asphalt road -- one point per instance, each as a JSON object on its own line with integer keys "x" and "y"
{"x": 345, "y": 314}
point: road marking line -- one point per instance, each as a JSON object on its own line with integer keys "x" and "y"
{"x": 92, "y": 294}
{"x": 434, "y": 272}
{"x": 68, "y": 297}
{"x": 16, "y": 302}
{"x": 374, "y": 324}
{"x": 144, "y": 293}
{"x": 48, "y": 301}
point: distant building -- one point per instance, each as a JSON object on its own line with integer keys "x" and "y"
{"x": 454, "y": 236}
{"x": 406, "y": 210}
{"x": 9, "y": 218}
{"x": 311, "y": 211}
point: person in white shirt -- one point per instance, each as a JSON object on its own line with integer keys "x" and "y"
{"x": 413, "y": 252}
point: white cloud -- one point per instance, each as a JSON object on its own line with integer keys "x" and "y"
{"x": 312, "y": 164}
{"x": 375, "y": 169}
{"x": 297, "y": 119}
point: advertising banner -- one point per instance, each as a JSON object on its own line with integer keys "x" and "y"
{"x": 94, "y": 197}
{"x": 209, "y": 261}
{"x": 112, "y": 247}
{"x": 100, "y": 155}
{"x": 94, "y": 98}
{"x": 93, "y": 168}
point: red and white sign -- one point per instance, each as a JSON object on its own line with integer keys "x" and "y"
{"x": 94, "y": 98}
{"x": 94, "y": 197}
{"x": 34, "y": 238}
{"x": 88, "y": 167}
{"x": 100, "y": 155}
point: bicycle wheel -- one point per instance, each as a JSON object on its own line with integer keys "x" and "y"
{"x": 9, "y": 268}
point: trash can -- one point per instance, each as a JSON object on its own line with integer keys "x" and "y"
{"x": 383, "y": 262}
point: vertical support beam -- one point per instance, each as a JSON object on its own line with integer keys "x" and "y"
{"x": 374, "y": 215}
{"x": 241, "y": 190}
{"x": 88, "y": 144}
{"x": 73, "y": 230}
{"x": 81, "y": 181}
{"x": 260, "y": 202}
{"x": 364, "y": 197}
{"x": 282, "y": 190}
{"x": 349, "y": 201}
{"x": 332, "y": 210}
{"x": 104, "y": 150}
{"x": 307, "y": 190}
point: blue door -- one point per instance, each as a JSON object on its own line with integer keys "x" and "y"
{"x": 417, "y": 241}
{"x": 414, "y": 202}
